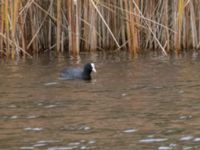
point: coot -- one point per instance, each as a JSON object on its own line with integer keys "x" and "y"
{"x": 77, "y": 73}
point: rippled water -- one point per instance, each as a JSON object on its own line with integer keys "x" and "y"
{"x": 145, "y": 103}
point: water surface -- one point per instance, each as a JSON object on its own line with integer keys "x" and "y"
{"x": 145, "y": 103}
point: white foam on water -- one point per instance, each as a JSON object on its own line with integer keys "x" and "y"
{"x": 39, "y": 144}
{"x": 92, "y": 142}
{"x": 164, "y": 148}
{"x": 33, "y": 129}
{"x": 26, "y": 148}
{"x": 50, "y": 83}
{"x": 14, "y": 117}
{"x": 130, "y": 130}
{"x": 152, "y": 140}
{"x": 186, "y": 138}
{"x": 50, "y": 106}
{"x": 197, "y": 139}
{"x": 61, "y": 148}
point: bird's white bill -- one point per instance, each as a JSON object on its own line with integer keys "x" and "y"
{"x": 93, "y": 67}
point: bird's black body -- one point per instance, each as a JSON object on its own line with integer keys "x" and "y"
{"x": 77, "y": 73}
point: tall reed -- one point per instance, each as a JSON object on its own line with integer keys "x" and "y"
{"x": 28, "y": 27}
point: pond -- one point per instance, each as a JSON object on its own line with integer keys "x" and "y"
{"x": 144, "y": 103}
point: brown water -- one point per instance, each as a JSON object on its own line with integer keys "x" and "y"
{"x": 149, "y": 103}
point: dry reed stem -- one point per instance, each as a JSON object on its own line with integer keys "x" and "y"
{"x": 35, "y": 25}
{"x": 162, "y": 48}
{"x": 58, "y": 29}
{"x": 180, "y": 25}
{"x": 105, "y": 23}
{"x": 35, "y": 33}
{"x": 140, "y": 17}
{"x": 10, "y": 42}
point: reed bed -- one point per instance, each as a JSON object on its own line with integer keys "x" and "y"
{"x": 28, "y": 27}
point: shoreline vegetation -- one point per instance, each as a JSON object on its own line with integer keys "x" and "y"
{"x": 28, "y": 27}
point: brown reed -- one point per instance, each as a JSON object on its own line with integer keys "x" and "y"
{"x": 28, "y": 27}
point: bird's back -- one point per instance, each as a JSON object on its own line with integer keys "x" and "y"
{"x": 71, "y": 73}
